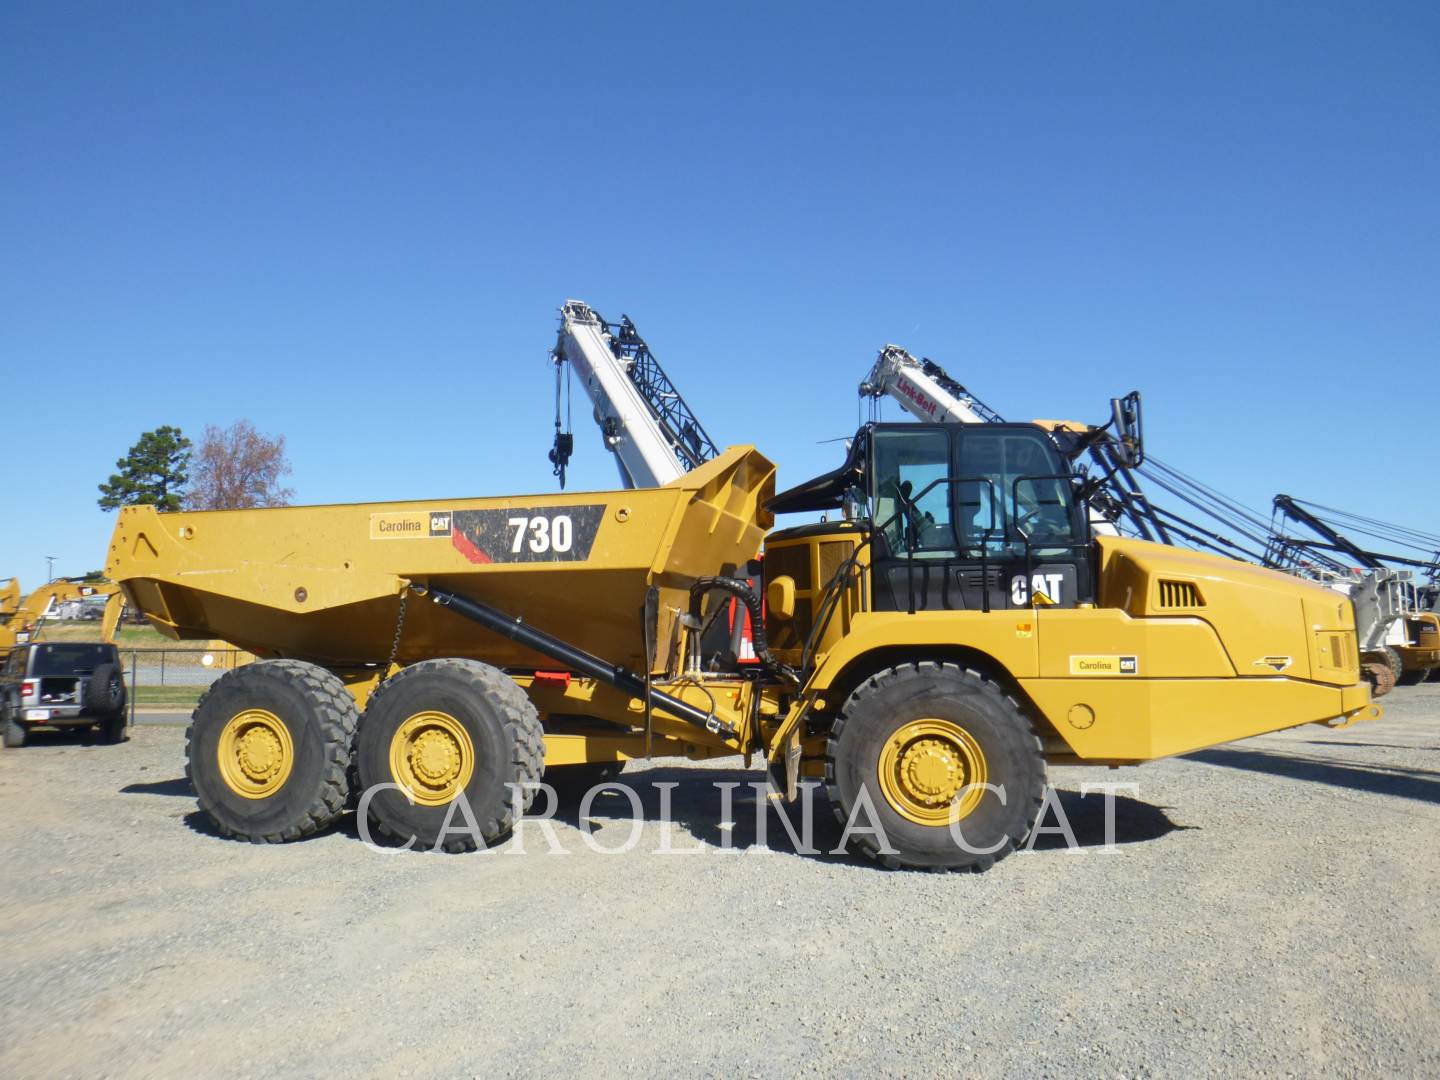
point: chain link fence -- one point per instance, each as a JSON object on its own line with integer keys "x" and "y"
{"x": 174, "y": 678}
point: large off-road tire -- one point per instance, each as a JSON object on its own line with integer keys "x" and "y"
{"x": 917, "y": 741}
{"x": 13, "y": 735}
{"x": 441, "y": 730}
{"x": 268, "y": 750}
{"x": 105, "y": 690}
{"x": 571, "y": 782}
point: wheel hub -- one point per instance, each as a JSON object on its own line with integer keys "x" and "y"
{"x": 435, "y": 757}
{"x": 255, "y": 754}
{"x": 432, "y": 756}
{"x": 259, "y": 754}
{"x": 931, "y": 771}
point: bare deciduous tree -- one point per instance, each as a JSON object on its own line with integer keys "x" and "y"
{"x": 237, "y": 468}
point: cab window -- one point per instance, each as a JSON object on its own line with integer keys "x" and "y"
{"x": 973, "y": 491}
{"x": 912, "y": 492}
{"x": 1015, "y": 488}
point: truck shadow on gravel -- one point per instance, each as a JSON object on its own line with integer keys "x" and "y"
{"x": 1422, "y": 785}
{"x": 198, "y": 821}
{"x": 696, "y": 811}
{"x": 1368, "y": 745}
{"x": 179, "y": 786}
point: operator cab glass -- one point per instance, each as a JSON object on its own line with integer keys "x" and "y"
{"x": 974, "y": 516}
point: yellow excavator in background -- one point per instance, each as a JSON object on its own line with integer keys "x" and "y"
{"x": 21, "y": 620}
{"x": 9, "y": 597}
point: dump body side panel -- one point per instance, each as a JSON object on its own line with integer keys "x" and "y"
{"x": 323, "y": 583}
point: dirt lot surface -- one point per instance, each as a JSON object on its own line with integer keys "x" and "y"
{"x": 1268, "y": 909}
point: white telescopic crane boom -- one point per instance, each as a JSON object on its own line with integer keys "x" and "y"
{"x": 924, "y": 390}
{"x": 645, "y": 423}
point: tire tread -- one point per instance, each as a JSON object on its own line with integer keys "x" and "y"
{"x": 522, "y": 724}
{"x": 339, "y": 720}
{"x": 986, "y": 686}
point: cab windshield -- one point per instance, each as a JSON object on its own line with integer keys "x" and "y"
{"x": 972, "y": 491}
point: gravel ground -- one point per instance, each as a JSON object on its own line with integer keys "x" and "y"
{"x": 1267, "y": 909}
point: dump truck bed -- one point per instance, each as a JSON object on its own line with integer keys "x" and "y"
{"x": 324, "y": 583}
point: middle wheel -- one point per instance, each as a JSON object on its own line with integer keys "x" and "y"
{"x": 443, "y": 730}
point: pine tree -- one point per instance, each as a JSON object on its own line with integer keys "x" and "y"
{"x": 154, "y": 471}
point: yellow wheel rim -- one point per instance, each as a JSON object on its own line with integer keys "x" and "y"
{"x": 930, "y": 772}
{"x": 255, "y": 754}
{"x": 432, "y": 757}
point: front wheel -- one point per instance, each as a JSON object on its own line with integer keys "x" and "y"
{"x": 932, "y": 766}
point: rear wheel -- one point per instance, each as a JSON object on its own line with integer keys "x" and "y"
{"x": 444, "y": 730}
{"x": 911, "y": 756}
{"x": 268, "y": 750}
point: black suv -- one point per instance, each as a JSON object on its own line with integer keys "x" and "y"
{"x": 62, "y": 684}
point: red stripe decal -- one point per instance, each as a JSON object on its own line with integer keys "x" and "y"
{"x": 465, "y": 547}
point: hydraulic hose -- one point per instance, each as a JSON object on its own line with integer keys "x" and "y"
{"x": 742, "y": 591}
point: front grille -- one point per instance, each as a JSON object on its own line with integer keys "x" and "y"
{"x": 793, "y": 560}
{"x": 832, "y": 554}
{"x": 1180, "y": 594}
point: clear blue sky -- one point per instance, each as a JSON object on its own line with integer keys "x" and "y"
{"x": 352, "y": 223}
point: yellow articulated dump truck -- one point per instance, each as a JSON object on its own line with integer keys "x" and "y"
{"x": 923, "y": 655}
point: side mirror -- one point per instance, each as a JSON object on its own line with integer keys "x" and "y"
{"x": 780, "y": 597}
{"x": 1129, "y": 441}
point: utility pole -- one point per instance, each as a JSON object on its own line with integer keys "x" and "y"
{"x": 51, "y": 560}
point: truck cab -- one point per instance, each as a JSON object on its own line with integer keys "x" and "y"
{"x": 974, "y": 517}
{"x": 944, "y": 517}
